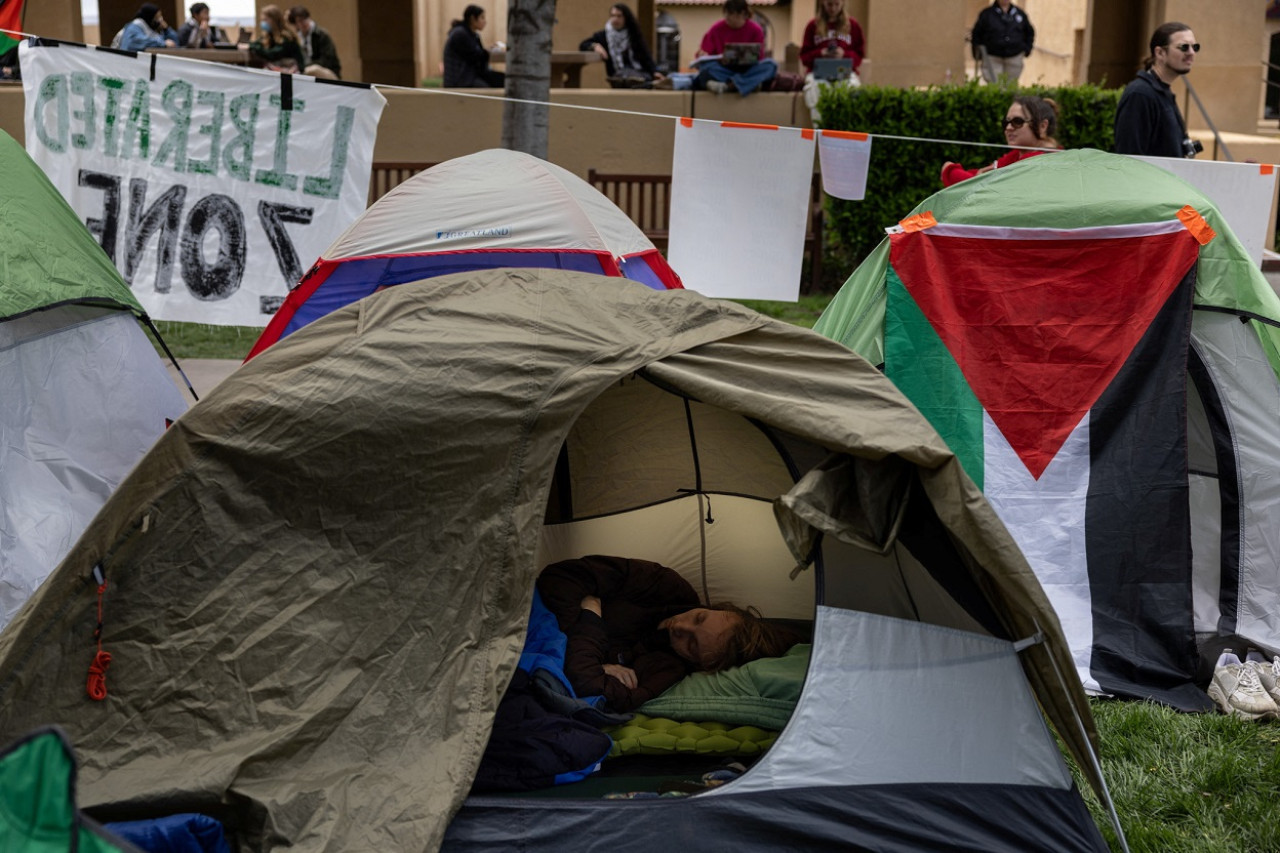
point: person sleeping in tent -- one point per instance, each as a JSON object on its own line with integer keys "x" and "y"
{"x": 635, "y": 628}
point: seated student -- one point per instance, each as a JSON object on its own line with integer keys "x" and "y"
{"x": 620, "y": 44}
{"x": 635, "y": 628}
{"x": 831, "y": 34}
{"x": 277, "y": 47}
{"x": 466, "y": 60}
{"x": 147, "y": 29}
{"x": 196, "y": 32}
{"x": 736, "y": 28}
{"x": 319, "y": 54}
{"x": 1030, "y": 122}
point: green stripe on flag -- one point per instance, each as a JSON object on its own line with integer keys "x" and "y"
{"x": 7, "y": 43}
{"x": 923, "y": 369}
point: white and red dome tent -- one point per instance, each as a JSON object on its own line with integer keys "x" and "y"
{"x": 495, "y": 208}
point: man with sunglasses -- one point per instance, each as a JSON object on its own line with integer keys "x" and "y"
{"x": 1147, "y": 119}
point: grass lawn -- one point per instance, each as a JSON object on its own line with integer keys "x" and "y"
{"x": 1182, "y": 783}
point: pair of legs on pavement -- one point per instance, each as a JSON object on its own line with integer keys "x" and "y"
{"x": 745, "y": 79}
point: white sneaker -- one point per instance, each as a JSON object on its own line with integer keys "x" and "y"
{"x": 1268, "y": 674}
{"x": 717, "y": 86}
{"x": 1238, "y": 690}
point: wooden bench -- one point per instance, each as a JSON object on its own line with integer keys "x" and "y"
{"x": 646, "y": 199}
{"x": 389, "y": 174}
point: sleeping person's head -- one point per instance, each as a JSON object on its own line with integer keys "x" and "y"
{"x": 724, "y": 635}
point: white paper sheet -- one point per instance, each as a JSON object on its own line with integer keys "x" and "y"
{"x": 1242, "y": 192}
{"x": 844, "y": 157}
{"x": 739, "y": 208}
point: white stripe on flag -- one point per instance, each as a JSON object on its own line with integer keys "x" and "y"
{"x": 1046, "y": 519}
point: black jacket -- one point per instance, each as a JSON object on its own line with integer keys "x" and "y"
{"x": 1003, "y": 34}
{"x": 1147, "y": 119}
{"x": 466, "y": 62}
{"x": 635, "y": 596}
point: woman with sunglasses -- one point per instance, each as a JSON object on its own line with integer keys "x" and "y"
{"x": 1030, "y": 123}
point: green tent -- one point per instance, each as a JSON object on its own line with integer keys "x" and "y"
{"x": 84, "y": 392}
{"x": 38, "y": 811}
{"x": 1101, "y": 353}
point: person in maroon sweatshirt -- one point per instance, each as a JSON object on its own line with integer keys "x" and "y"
{"x": 635, "y": 628}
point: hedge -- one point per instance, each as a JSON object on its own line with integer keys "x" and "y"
{"x": 903, "y": 173}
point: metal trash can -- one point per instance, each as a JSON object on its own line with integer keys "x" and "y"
{"x": 667, "y": 43}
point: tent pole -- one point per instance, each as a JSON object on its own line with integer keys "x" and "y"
{"x": 1093, "y": 757}
{"x": 178, "y": 367}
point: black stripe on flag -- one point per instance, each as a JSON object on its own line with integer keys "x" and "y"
{"x": 1138, "y": 521}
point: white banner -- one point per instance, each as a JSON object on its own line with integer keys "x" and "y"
{"x": 739, "y": 208}
{"x": 211, "y": 187}
{"x": 1244, "y": 194}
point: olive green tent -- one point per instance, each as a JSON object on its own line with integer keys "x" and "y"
{"x": 317, "y": 581}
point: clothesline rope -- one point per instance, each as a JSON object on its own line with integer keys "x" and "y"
{"x": 455, "y": 93}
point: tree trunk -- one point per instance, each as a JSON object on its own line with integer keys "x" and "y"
{"x": 525, "y": 126}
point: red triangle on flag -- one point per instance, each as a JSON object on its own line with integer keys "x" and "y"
{"x": 1040, "y": 327}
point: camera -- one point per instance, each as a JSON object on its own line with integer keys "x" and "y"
{"x": 1191, "y": 147}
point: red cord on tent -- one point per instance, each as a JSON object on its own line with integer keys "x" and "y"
{"x": 96, "y": 686}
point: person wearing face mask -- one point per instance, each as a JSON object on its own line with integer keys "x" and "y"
{"x": 627, "y": 61}
{"x": 635, "y": 628}
{"x": 147, "y": 29}
{"x": 1030, "y": 123}
{"x": 277, "y": 44}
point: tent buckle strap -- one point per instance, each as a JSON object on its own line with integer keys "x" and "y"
{"x": 1034, "y": 640}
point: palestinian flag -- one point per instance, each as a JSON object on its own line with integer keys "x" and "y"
{"x": 10, "y": 19}
{"x": 1054, "y": 363}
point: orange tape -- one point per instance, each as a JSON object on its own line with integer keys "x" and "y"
{"x": 686, "y": 121}
{"x": 1195, "y": 223}
{"x": 806, "y": 133}
{"x": 845, "y": 134}
{"x": 747, "y": 125}
{"x": 1266, "y": 169}
{"x": 918, "y": 222}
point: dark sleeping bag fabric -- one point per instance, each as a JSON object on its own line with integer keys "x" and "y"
{"x": 542, "y": 734}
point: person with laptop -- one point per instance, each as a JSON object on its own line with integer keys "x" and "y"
{"x": 831, "y": 52}
{"x": 731, "y": 57}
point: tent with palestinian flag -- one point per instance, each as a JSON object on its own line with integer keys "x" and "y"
{"x": 1102, "y": 355}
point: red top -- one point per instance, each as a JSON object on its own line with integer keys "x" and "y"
{"x": 955, "y": 173}
{"x": 814, "y": 44}
{"x": 721, "y": 34}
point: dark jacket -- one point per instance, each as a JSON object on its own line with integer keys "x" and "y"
{"x": 1147, "y": 119}
{"x": 323, "y": 51}
{"x": 466, "y": 62}
{"x": 188, "y": 35}
{"x": 274, "y": 54}
{"x": 637, "y": 55}
{"x": 1003, "y": 34}
{"x": 635, "y": 595}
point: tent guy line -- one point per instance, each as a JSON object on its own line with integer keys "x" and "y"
{"x": 504, "y": 99}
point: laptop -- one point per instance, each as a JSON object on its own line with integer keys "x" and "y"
{"x": 741, "y": 53}
{"x": 830, "y": 69}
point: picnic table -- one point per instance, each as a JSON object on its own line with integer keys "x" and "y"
{"x": 566, "y": 66}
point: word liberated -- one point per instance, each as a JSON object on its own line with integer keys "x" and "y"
{"x": 84, "y": 111}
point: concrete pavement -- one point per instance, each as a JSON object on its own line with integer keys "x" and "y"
{"x": 204, "y": 373}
